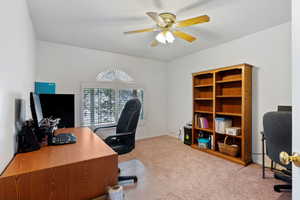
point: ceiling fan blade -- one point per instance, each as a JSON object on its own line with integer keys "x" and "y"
{"x": 192, "y": 21}
{"x": 184, "y": 36}
{"x": 141, "y": 31}
{"x": 154, "y": 43}
{"x": 158, "y": 20}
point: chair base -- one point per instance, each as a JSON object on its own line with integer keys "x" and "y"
{"x": 128, "y": 178}
{"x": 280, "y": 188}
{"x": 284, "y": 176}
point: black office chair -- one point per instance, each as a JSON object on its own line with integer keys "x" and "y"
{"x": 278, "y": 136}
{"x": 124, "y": 140}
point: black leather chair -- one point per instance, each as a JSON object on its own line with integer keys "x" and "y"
{"x": 278, "y": 137}
{"x": 124, "y": 140}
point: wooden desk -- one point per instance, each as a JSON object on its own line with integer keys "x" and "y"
{"x": 67, "y": 172}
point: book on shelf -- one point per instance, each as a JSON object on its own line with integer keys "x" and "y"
{"x": 201, "y": 122}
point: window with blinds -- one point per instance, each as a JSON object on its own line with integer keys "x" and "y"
{"x": 102, "y": 106}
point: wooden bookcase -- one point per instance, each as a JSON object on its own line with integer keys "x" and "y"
{"x": 224, "y": 92}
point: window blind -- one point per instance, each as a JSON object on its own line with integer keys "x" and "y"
{"x": 102, "y": 106}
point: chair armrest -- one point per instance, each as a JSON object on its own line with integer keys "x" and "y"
{"x": 118, "y": 136}
{"x": 102, "y": 127}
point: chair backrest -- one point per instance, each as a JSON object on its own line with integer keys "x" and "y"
{"x": 129, "y": 117}
{"x": 278, "y": 134}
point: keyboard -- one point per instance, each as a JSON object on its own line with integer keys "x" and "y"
{"x": 64, "y": 138}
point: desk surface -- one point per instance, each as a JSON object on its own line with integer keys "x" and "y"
{"x": 88, "y": 147}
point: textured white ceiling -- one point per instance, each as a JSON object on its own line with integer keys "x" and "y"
{"x": 99, "y": 24}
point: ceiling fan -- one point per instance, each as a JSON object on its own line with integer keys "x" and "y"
{"x": 167, "y": 27}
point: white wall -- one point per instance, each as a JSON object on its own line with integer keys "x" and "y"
{"x": 270, "y": 53}
{"x": 69, "y": 66}
{"x": 17, "y": 69}
{"x": 296, "y": 92}
{"x": 168, "y": 85}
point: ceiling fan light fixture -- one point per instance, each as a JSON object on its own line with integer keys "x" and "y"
{"x": 165, "y": 37}
{"x": 169, "y": 37}
{"x": 161, "y": 38}
{"x": 165, "y": 22}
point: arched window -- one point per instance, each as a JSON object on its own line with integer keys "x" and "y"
{"x": 114, "y": 75}
{"x": 103, "y": 100}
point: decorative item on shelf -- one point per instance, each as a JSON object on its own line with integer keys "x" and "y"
{"x": 235, "y": 131}
{"x": 229, "y": 149}
{"x": 221, "y": 124}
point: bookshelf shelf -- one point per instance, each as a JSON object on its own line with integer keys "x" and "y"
{"x": 195, "y": 146}
{"x": 205, "y": 112}
{"x": 204, "y": 129}
{"x": 229, "y": 114}
{"x": 234, "y": 136}
{"x": 203, "y": 99}
{"x": 203, "y": 85}
{"x": 229, "y": 80}
{"x": 221, "y": 155}
{"x": 229, "y": 96}
{"x": 223, "y": 92}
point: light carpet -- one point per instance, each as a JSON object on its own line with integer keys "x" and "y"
{"x": 169, "y": 170}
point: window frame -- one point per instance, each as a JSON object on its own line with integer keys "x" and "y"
{"x": 117, "y": 85}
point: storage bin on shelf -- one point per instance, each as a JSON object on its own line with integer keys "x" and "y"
{"x": 204, "y": 143}
{"x": 221, "y": 124}
{"x": 235, "y": 131}
{"x": 229, "y": 149}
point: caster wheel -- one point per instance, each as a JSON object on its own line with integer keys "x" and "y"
{"x": 277, "y": 189}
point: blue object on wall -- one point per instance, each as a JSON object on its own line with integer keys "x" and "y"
{"x": 45, "y": 88}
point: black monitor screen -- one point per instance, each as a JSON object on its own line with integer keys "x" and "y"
{"x": 36, "y": 109}
{"x": 284, "y": 108}
{"x": 59, "y": 106}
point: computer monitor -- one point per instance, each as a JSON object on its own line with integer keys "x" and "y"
{"x": 59, "y": 106}
{"x": 281, "y": 108}
{"x": 36, "y": 109}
